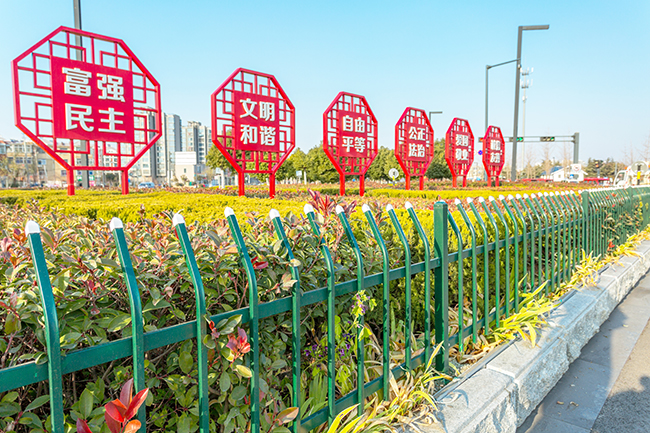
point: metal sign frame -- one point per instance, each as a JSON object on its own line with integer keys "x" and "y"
{"x": 459, "y": 149}
{"x": 251, "y": 138}
{"x": 72, "y": 114}
{"x": 414, "y": 144}
{"x": 350, "y": 137}
{"x": 494, "y": 152}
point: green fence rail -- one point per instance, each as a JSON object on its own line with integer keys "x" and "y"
{"x": 526, "y": 242}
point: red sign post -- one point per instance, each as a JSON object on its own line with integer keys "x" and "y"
{"x": 253, "y": 124}
{"x": 414, "y": 144}
{"x": 350, "y": 137}
{"x": 459, "y": 149}
{"x": 92, "y": 106}
{"x": 493, "y": 154}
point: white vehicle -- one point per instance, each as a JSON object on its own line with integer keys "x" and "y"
{"x": 635, "y": 174}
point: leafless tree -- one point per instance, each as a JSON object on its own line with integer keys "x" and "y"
{"x": 628, "y": 154}
{"x": 566, "y": 157}
{"x": 529, "y": 160}
{"x": 546, "y": 148}
{"x": 645, "y": 150}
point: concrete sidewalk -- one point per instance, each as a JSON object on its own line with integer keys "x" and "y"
{"x": 607, "y": 388}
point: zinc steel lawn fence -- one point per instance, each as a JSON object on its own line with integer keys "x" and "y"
{"x": 532, "y": 240}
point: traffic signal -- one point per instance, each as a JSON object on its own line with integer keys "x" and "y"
{"x": 546, "y": 138}
{"x": 520, "y": 138}
{"x": 598, "y": 163}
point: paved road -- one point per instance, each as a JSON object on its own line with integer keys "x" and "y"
{"x": 607, "y": 389}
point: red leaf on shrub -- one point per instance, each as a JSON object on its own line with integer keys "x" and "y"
{"x": 136, "y": 403}
{"x": 244, "y": 346}
{"x": 113, "y": 411}
{"x": 133, "y": 426}
{"x": 259, "y": 265}
{"x": 82, "y": 426}
{"x": 127, "y": 392}
{"x": 112, "y": 425}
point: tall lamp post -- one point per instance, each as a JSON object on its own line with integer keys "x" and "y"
{"x": 517, "y": 83}
{"x": 487, "y": 68}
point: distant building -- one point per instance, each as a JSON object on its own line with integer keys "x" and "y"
{"x": 186, "y": 166}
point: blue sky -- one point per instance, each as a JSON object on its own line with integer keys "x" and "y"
{"x": 590, "y": 67}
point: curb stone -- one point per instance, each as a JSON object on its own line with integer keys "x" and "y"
{"x": 508, "y": 387}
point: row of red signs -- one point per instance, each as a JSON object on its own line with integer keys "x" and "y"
{"x": 88, "y": 101}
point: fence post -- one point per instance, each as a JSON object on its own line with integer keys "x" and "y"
{"x": 137, "y": 327}
{"x": 472, "y": 232}
{"x": 441, "y": 282}
{"x": 52, "y": 336}
{"x": 461, "y": 296}
{"x": 497, "y": 263}
{"x": 331, "y": 314}
{"x": 201, "y": 325}
{"x": 296, "y": 303}
{"x": 407, "y": 285}
{"x": 486, "y": 267}
{"x": 386, "y": 301}
{"x": 254, "y": 316}
{"x": 586, "y": 242}
{"x": 343, "y": 218}
{"x": 427, "y": 279}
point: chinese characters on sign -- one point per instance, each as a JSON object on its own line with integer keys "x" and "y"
{"x": 353, "y": 133}
{"x": 416, "y": 141}
{"x": 459, "y": 149}
{"x": 91, "y": 102}
{"x": 493, "y": 153}
{"x": 256, "y": 122}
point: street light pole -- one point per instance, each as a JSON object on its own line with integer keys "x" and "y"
{"x": 517, "y": 83}
{"x": 487, "y": 68}
{"x": 78, "y": 42}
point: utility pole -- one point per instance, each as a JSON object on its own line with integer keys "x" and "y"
{"x": 78, "y": 42}
{"x": 517, "y": 83}
{"x": 524, "y": 85}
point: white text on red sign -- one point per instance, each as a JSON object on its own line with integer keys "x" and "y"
{"x": 91, "y": 102}
{"x": 256, "y": 122}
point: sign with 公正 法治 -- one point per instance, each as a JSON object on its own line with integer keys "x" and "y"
{"x": 414, "y": 144}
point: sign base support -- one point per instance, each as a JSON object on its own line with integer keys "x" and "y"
{"x": 125, "y": 182}
{"x": 70, "y": 182}
{"x": 272, "y": 185}
{"x": 241, "y": 183}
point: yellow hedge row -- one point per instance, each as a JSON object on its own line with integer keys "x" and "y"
{"x": 109, "y": 204}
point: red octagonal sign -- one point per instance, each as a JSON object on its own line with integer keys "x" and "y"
{"x": 88, "y": 101}
{"x": 493, "y": 154}
{"x": 253, "y": 124}
{"x": 414, "y": 144}
{"x": 459, "y": 149}
{"x": 350, "y": 137}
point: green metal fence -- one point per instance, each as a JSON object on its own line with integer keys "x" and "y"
{"x": 538, "y": 239}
